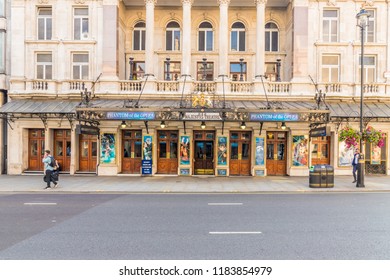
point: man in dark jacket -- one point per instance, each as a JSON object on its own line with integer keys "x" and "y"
{"x": 355, "y": 162}
{"x": 48, "y": 169}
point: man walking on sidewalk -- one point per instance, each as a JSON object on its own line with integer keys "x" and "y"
{"x": 355, "y": 162}
{"x": 47, "y": 160}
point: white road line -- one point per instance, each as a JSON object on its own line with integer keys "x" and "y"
{"x": 40, "y": 203}
{"x": 235, "y": 232}
{"x": 226, "y": 203}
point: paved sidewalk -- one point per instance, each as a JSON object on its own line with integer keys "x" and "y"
{"x": 180, "y": 184}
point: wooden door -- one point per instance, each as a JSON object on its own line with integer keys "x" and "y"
{"x": 88, "y": 153}
{"x": 204, "y": 152}
{"x": 62, "y": 148}
{"x": 276, "y": 153}
{"x": 36, "y": 149}
{"x": 320, "y": 150}
{"x": 132, "y": 151}
{"x": 167, "y": 157}
{"x": 240, "y": 151}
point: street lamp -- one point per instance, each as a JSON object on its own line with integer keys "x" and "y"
{"x": 362, "y": 23}
{"x": 168, "y": 61}
{"x": 204, "y": 63}
{"x": 278, "y": 64}
{"x": 131, "y": 62}
{"x": 241, "y": 69}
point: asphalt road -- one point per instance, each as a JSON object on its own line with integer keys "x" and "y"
{"x": 332, "y": 226}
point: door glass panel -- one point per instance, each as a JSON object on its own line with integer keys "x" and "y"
{"x": 281, "y": 151}
{"x": 199, "y": 150}
{"x": 209, "y": 135}
{"x": 234, "y": 135}
{"x": 163, "y": 149}
{"x": 174, "y": 135}
{"x": 270, "y": 151}
{"x": 59, "y": 133}
{"x": 209, "y": 150}
{"x": 138, "y": 134}
{"x": 324, "y": 150}
{"x": 42, "y": 147}
{"x": 137, "y": 149}
{"x": 245, "y": 150}
{"x": 127, "y": 149}
{"x": 34, "y": 148}
{"x": 198, "y": 136}
{"x": 127, "y": 133}
{"x": 68, "y": 133}
{"x": 234, "y": 151}
{"x": 314, "y": 153}
{"x": 270, "y": 135}
{"x": 163, "y": 135}
{"x": 281, "y": 135}
{"x": 94, "y": 149}
{"x": 43, "y": 133}
{"x": 59, "y": 145}
{"x": 84, "y": 148}
{"x": 173, "y": 149}
{"x": 68, "y": 149}
{"x": 34, "y": 133}
{"x": 245, "y": 136}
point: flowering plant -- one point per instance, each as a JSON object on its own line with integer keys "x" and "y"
{"x": 352, "y": 137}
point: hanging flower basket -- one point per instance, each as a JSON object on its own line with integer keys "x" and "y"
{"x": 352, "y": 136}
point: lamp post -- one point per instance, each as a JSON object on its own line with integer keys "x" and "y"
{"x": 362, "y": 23}
{"x": 241, "y": 69}
{"x": 278, "y": 64}
{"x": 204, "y": 63}
{"x": 131, "y": 62}
{"x": 168, "y": 62}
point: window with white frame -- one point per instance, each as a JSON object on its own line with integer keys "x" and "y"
{"x": 44, "y": 23}
{"x": 330, "y": 22}
{"x": 139, "y": 36}
{"x": 237, "y": 37}
{"x": 2, "y": 51}
{"x": 173, "y": 36}
{"x": 80, "y": 66}
{"x": 330, "y": 68}
{"x": 370, "y": 30}
{"x": 44, "y": 66}
{"x": 80, "y": 24}
{"x": 369, "y": 71}
{"x": 271, "y": 37}
{"x": 205, "y": 37}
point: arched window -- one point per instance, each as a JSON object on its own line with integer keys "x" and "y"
{"x": 205, "y": 41}
{"x": 271, "y": 37}
{"x": 139, "y": 36}
{"x": 237, "y": 37}
{"x": 173, "y": 36}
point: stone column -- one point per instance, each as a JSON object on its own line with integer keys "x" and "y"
{"x": 260, "y": 35}
{"x": 223, "y": 36}
{"x": 17, "y": 43}
{"x": 387, "y": 74}
{"x": 149, "y": 43}
{"x": 186, "y": 38}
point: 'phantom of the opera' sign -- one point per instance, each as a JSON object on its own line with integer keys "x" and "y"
{"x": 137, "y": 116}
{"x": 274, "y": 117}
{"x": 85, "y": 129}
{"x": 202, "y": 116}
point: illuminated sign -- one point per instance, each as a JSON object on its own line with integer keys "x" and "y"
{"x": 320, "y": 131}
{"x": 274, "y": 117}
{"x": 85, "y": 129}
{"x": 137, "y": 116}
{"x": 201, "y": 116}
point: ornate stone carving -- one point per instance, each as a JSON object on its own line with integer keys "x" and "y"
{"x": 331, "y": 3}
{"x": 187, "y": 2}
{"x": 151, "y": 2}
{"x": 221, "y": 2}
{"x": 139, "y": 14}
{"x": 369, "y": 3}
{"x": 79, "y": 1}
{"x": 260, "y": 2}
{"x": 43, "y": 1}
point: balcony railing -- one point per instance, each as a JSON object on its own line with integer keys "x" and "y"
{"x": 156, "y": 87}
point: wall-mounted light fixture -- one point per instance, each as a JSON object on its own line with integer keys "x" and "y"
{"x": 283, "y": 126}
{"x": 162, "y": 124}
{"x": 123, "y": 125}
{"x": 203, "y": 125}
{"x": 243, "y": 125}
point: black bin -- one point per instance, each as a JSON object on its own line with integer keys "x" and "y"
{"x": 321, "y": 176}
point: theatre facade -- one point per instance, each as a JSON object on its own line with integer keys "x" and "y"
{"x": 192, "y": 88}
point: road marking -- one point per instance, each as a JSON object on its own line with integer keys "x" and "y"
{"x": 40, "y": 203}
{"x": 235, "y": 232}
{"x": 226, "y": 203}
